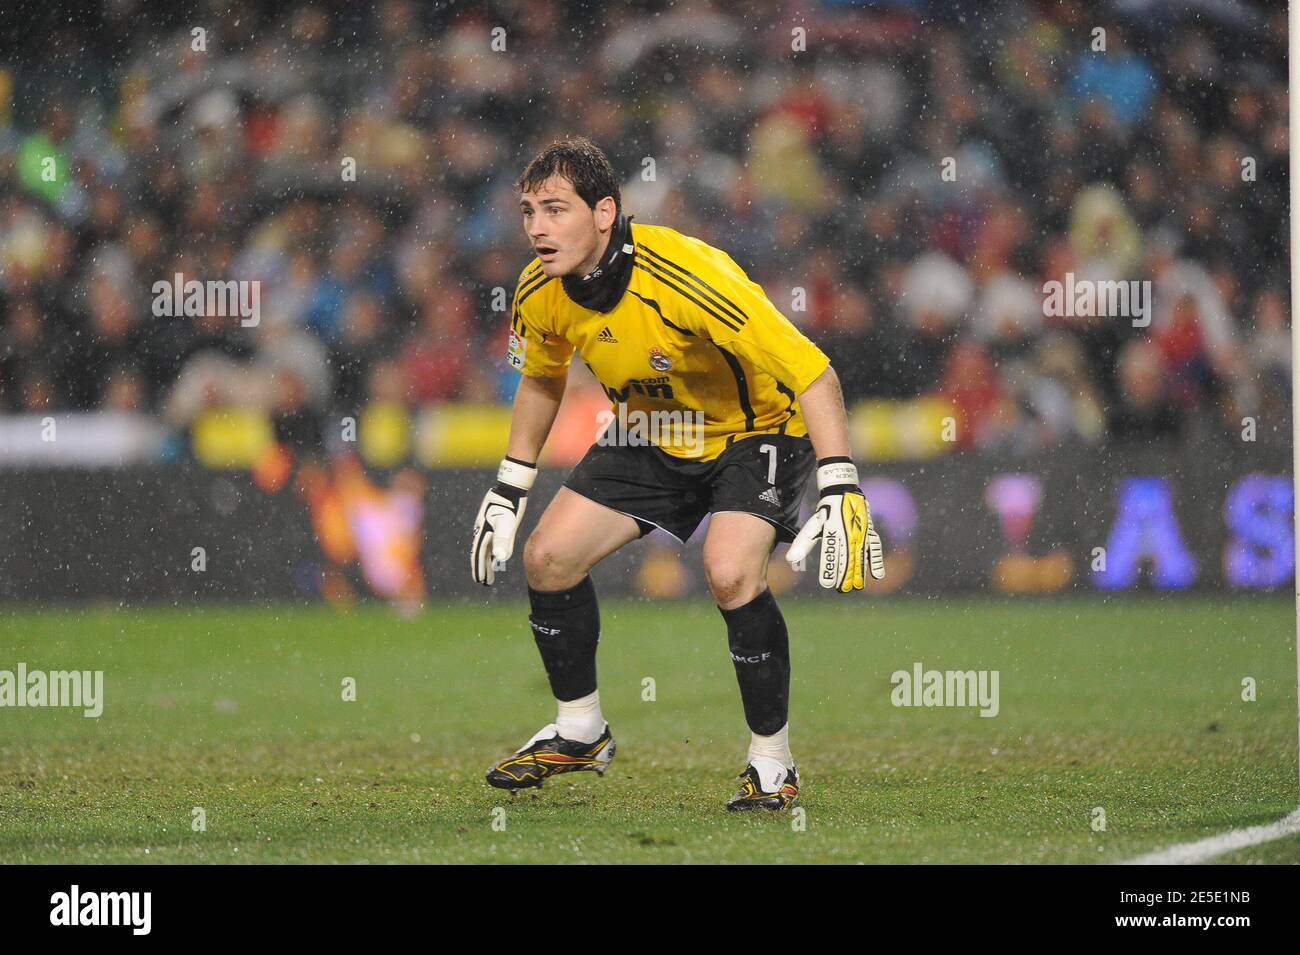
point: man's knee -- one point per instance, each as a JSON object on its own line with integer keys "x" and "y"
{"x": 731, "y": 582}
{"x": 550, "y": 566}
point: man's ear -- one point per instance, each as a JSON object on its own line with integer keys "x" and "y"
{"x": 606, "y": 213}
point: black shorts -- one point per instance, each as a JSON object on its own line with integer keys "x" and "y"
{"x": 658, "y": 490}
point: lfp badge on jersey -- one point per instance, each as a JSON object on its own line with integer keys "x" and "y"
{"x": 659, "y": 361}
{"x": 515, "y": 351}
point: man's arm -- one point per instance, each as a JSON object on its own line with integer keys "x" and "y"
{"x": 822, "y": 403}
{"x": 537, "y": 401}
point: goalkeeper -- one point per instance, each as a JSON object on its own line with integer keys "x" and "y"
{"x": 667, "y": 324}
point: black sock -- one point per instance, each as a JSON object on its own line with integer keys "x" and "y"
{"x": 760, "y": 651}
{"x": 566, "y": 626}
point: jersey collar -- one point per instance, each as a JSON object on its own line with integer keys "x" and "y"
{"x": 603, "y": 287}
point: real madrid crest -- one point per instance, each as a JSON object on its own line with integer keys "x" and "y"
{"x": 659, "y": 361}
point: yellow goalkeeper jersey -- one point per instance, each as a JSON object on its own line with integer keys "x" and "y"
{"x": 692, "y": 333}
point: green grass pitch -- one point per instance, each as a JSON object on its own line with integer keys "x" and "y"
{"x": 1132, "y": 705}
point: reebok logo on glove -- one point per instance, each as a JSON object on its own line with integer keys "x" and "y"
{"x": 830, "y": 557}
{"x": 842, "y": 522}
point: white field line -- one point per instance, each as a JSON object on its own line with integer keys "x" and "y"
{"x": 1202, "y": 849}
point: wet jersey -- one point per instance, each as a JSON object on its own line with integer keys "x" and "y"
{"x": 692, "y": 334}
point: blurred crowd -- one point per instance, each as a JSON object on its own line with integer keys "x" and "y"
{"x": 902, "y": 186}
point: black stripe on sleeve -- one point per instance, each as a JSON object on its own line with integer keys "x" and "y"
{"x": 528, "y": 284}
{"x": 789, "y": 411}
{"x": 690, "y": 278}
{"x": 687, "y": 295}
{"x": 732, "y": 313}
{"x": 522, "y": 295}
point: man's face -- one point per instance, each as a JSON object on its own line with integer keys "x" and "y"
{"x": 562, "y": 229}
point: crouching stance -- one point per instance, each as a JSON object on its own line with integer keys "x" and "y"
{"x": 670, "y": 326}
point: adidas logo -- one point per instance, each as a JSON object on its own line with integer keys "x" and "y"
{"x": 772, "y": 496}
{"x": 607, "y": 336}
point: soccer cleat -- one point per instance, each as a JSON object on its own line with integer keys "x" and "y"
{"x": 770, "y": 787}
{"x": 549, "y": 754}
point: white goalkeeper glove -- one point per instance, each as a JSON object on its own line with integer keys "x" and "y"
{"x": 842, "y": 521}
{"x": 499, "y": 516}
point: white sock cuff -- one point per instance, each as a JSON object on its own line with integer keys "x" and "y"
{"x": 580, "y": 719}
{"x": 776, "y": 746}
{"x": 582, "y": 705}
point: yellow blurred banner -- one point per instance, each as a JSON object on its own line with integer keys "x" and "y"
{"x": 230, "y": 438}
{"x": 451, "y": 435}
{"x": 475, "y": 435}
{"x": 892, "y": 430}
{"x": 384, "y": 435}
{"x": 388, "y": 434}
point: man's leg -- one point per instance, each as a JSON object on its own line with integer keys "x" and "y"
{"x": 736, "y": 552}
{"x": 574, "y": 534}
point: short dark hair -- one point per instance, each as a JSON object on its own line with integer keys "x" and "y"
{"x": 578, "y": 160}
